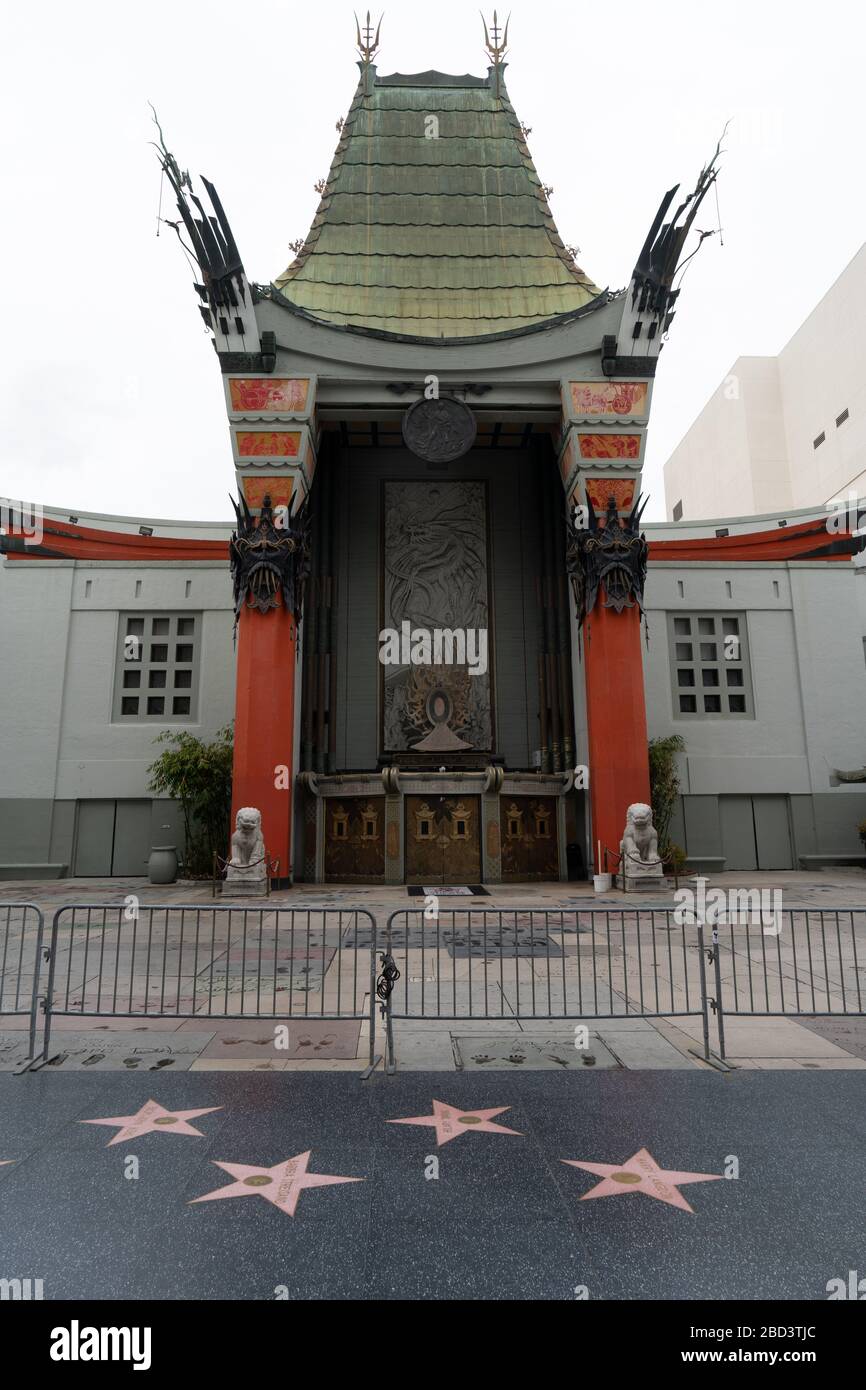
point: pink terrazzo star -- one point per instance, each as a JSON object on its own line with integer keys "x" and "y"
{"x": 282, "y": 1184}
{"x": 152, "y": 1118}
{"x": 449, "y": 1122}
{"x": 640, "y": 1173}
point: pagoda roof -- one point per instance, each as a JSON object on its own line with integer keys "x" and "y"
{"x": 434, "y": 237}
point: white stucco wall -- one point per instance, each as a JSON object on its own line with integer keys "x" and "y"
{"x": 751, "y": 448}
{"x": 808, "y": 675}
{"x": 57, "y": 738}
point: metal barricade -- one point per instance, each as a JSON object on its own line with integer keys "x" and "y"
{"x": 790, "y": 963}
{"x": 532, "y": 963}
{"x": 136, "y": 960}
{"x": 21, "y": 953}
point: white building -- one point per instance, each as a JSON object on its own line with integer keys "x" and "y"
{"x": 783, "y": 432}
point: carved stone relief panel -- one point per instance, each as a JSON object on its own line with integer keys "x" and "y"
{"x": 436, "y": 685}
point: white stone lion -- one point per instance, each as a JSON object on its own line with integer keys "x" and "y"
{"x": 639, "y": 839}
{"x": 248, "y": 846}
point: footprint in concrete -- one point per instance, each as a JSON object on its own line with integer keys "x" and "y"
{"x": 91, "y": 1061}
{"x": 131, "y": 1062}
{"x": 515, "y": 1058}
{"x": 588, "y": 1059}
{"x": 163, "y": 1062}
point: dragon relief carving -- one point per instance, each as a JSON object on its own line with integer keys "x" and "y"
{"x": 609, "y": 554}
{"x": 269, "y": 561}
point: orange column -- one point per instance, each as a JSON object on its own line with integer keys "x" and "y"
{"x": 616, "y": 721}
{"x": 264, "y": 726}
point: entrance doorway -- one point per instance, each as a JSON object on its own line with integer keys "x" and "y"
{"x": 443, "y": 839}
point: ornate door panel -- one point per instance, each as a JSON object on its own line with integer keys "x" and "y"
{"x": 443, "y": 839}
{"x": 354, "y": 839}
{"x": 529, "y": 838}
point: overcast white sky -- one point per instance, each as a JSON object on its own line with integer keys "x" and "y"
{"x": 110, "y": 395}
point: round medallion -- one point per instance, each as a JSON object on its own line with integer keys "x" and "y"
{"x": 439, "y": 430}
{"x": 627, "y": 1178}
{"x": 257, "y": 1180}
{"x": 469, "y": 1120}
{"x": 166, "y": 1120}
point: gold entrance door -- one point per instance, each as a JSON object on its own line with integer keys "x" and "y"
{"x": 443, "y": 839}
{"x": 529, "y": 839}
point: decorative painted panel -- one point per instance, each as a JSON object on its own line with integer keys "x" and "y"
{"x": 269, "y": 395}
{"x": 609, "y": 446}
{"x": 274, "y": 443}
{"x": 599, "y": 490}
{"x": 278, "y": 489}
{"x": 608, "y": 397}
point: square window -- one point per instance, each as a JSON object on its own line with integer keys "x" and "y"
{"x": 712, "y": 704}
{"x": 159, "y": 627}
{"x": 706, "y": 626}
{"x": 131, "y": 680}
{"x": 185, "y": 627}
{"x": 684, "y": 651}
{"x": 155, "y": 704}
{"x": 183, "y": 680}
{"x": 710, "y": 677}
{"x": 180, "y": 704}
{"x": 688, "y": 704}
{"x": 683, "y": 627}
{"x": 156, "y": 680}
{"x": 730, "y": 626}
{"x": 737, "y": 704}
{"x": 685, "y": 677}
{"x": 183, "y": 651}
{"x": 734, "y": 677}
{"x": 158, "y": 651}
{"x": 129, "y": 704}
{"x": 135, "y": 626}
{"x": 708, "y": 651}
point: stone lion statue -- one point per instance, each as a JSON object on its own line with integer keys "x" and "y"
{"x": 248, "y": 846}
{"x": 639, "y": 837}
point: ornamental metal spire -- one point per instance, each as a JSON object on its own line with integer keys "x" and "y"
{"x": 367, "y": 44}
{"x": 496, "y": 51}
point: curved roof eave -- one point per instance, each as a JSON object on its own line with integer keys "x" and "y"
{"x": 359, "y": 330}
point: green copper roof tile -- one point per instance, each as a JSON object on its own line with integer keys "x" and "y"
{"x": 433, "y": 227}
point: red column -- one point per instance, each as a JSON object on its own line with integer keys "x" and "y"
{"x": 616, "y": 720}
{"x": 264, "y": 725}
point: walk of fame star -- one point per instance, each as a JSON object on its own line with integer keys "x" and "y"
{"x": 640, "y": 1173}
{"x": 152, "y": 1117}
{"x": 450, "y": 1122}
{"x": 282, "y": 1184}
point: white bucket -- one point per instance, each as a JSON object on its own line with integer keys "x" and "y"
{"x": 601, "y": 882}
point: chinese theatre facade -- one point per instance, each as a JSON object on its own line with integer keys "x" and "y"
{"x": 438, "y": 422}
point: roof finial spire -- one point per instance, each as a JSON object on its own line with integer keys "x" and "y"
{"x": 492, "y": 34}
{"x": 367, "y": 45}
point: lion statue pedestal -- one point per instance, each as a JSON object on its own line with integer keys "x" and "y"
{"x": 247, "y": 870}
{"x": 640, "y": 867}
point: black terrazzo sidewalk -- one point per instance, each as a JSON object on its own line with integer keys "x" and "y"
{"x": 503, "y": 1220}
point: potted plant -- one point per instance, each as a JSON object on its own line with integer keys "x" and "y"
{"x": 198, "y": 775}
